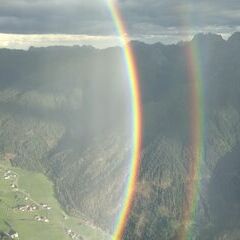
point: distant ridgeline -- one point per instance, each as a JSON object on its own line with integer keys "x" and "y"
{"x": 63, "y": 112}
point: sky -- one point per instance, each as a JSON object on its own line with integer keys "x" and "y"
{"x": 89, "y": 22}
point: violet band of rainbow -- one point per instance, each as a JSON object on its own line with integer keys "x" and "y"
{"x": 136, "y": 123}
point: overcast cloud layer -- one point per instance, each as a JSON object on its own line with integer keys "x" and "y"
{"x": 146, "y": 19}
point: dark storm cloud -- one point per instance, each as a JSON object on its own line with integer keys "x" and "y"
{"x": 93, "y": 17}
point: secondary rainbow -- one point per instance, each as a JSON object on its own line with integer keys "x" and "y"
{"x": 196, "y": 106}
{"x": 135, "y": 102}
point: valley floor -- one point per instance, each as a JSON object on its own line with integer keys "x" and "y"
{"x": 28, "y": 206}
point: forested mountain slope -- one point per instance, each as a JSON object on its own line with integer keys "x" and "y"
{"x": 66, "y": 112}
{"x": 158, "y": 207}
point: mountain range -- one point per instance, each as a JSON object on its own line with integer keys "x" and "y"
{"x": 65, "y": 112}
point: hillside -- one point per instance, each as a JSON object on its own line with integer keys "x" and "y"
{"x": 31, "y": 214}
{"x": 162, "y": 185}
{"x": 55, "y": 119}
{"x": 65, "y": 112}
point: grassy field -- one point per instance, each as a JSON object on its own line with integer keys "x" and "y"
{"x": 20, "y": 188}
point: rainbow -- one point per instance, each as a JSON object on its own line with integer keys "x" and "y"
{"x": 196, "y": 129}
{"x": 196, "y": 98}
{"x": 136, "y": 120}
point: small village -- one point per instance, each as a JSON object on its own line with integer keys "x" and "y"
{"x": 30, "y": 206}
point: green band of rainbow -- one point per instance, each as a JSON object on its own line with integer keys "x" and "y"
{"x": 136, "y": 120}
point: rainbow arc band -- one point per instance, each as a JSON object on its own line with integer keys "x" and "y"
{"x": 136, "y": 120}
{"x": 197, "y": 135}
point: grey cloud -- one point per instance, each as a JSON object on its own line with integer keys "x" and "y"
{"x": 93, "y": 16}
{"x": 62, "y": 16}
{"x": 172, "y": 13}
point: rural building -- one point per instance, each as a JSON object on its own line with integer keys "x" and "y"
{"x": 13, "y": 234}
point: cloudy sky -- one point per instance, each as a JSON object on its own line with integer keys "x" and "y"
{"x": 69, "y": 22}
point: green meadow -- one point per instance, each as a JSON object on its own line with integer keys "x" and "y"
{"x": 20, "y": 188}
